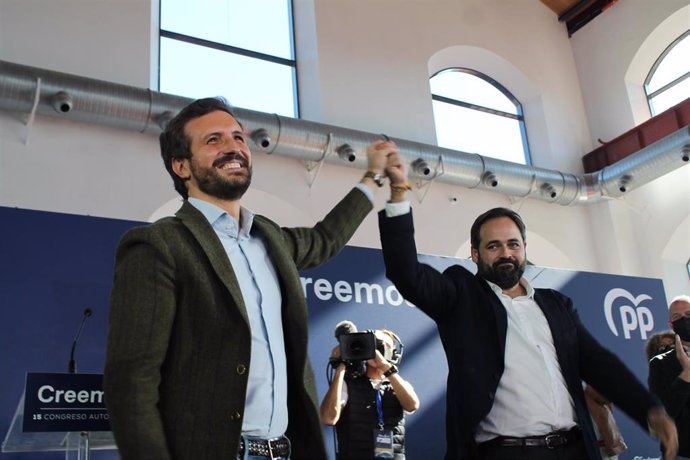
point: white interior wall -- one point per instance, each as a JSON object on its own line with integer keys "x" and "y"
{"x": 363, "y": 65}
{"x": 96, "y": 39}
{"x": 385, "y": 50}
{"x": 647, "y": 54}
{"x": 677, "y": 282}
{"x": 613, "y": 55}
{"x": 604, "y": 51}
{"x": 375, "y": 59}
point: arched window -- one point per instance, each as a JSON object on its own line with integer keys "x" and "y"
{"x": 242, "y": 50}
{"x": 474, "y": 113}
{"x": 668, "y": 83}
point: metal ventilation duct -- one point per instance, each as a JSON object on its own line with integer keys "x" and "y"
{"x": 33, "y": 90}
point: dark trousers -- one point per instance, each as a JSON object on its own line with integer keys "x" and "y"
{"x": 573, "y": 451}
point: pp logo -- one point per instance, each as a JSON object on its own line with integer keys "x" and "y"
{"x": 632, "y": 316}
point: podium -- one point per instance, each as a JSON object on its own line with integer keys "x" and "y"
{"x": 62, "y": 412}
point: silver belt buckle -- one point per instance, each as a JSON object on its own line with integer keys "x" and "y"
{"x": 551, "y": 441}
{"x": 270, "y": 449}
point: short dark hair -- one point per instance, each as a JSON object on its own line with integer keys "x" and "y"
{"x": 654, "y": 344}
{"x": 175, "y": 143}
{"x": 495, "y": 213}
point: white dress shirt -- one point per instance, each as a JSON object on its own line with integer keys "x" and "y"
{"x": 532, "y": 398}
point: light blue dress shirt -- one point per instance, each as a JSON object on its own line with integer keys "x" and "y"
{"x": 265, "y": 409}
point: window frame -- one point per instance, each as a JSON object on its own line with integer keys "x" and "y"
{"x": 519, "y": 116}
{"x": 654, "y": 68}
{"x": 292, "y": 63}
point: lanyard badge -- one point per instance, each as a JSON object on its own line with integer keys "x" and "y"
{"x": 383, "y": 439}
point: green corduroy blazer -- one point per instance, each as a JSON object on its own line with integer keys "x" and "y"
{"x": 179, "y": 339}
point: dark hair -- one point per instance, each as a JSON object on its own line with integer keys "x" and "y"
{"x": 175, "y": 143}
{"x": 654, "y": 344}
{"x": 495, "y": 213}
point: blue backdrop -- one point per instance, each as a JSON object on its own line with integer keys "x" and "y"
{"x": 53, "y": 266}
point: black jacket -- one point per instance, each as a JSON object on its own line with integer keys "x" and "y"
{"x": 467, "y": 313}
{"x": 674, "y": 393}
{"x": 359, "y": 418}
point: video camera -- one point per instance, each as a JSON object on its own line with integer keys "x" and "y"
{"x": 360, "y": 346}
{"x": 356, "y": 348}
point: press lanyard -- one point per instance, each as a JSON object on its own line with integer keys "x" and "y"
{"x": 379, "y": 408}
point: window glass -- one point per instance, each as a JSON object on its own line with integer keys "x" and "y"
{"x": 260, "y": 85}
{"x": 467, "y": 130}
{"x": 241, "y": 50}
{"x": 262, "y": 26}
{"x": 469, "y": 88}
{"x": 473, "y": 113}
{"x": 670, "y": 97}
{"x": 674, "y": 64}
{"x": 668, "y": 83}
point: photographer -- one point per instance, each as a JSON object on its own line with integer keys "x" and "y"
{"x": 366, "y": 402}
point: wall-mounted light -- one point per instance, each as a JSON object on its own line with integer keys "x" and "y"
{"x": 421, "y": 167}
{"x": 548, "y": 190}
{"x": 490, "y": 179}
{"x": 346, "y": 152}
{"x": 624, "y": 182}
{"x": 261, "y": 138}
{"x": 61, "y": 102}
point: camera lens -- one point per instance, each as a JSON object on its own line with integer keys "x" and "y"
{"x": 356, "y": 346}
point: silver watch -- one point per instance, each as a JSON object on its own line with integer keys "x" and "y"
{"x": 378, "y": 177}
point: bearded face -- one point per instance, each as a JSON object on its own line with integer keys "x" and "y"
{"x": 505, "y": 272}
{"x": 214, "y": 182}
{"x": 220, "y": 167}
{"x": 501, "y": 256}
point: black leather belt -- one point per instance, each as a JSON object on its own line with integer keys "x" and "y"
{"x": 271, "y": 448}
{"x": 551, "y": 440}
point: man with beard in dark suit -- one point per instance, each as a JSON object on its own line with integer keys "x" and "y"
{"x": 207, "y": 343}
{"x": 516, "y": 355}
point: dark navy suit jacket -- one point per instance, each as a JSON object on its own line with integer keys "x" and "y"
{"x": 472, "y": 324}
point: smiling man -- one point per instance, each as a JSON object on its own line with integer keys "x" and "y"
{"x": 207, "y": 342}
{"x": 517, "y": 355}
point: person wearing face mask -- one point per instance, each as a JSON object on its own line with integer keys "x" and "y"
{"x": 520, "y": 395}
{"x": 669, "y": 373}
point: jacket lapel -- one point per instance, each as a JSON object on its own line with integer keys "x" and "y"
{"x": 283, "y": 262}
{"x": 556, "y": 324}
{"x": 550, "y": 318}
{"x": 499, "y": 313}
{"x": 211, "y": 245}
{"x": 294, "y": 308}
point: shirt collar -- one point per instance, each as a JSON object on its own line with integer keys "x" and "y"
{"x": 221, "y": 221}
{"x": 528, "y": 287}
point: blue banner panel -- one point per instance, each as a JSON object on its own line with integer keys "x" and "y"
{"x": 53, "y": 266}
{"x": 64, "y": 402}
{"x": 620, "y": 311}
